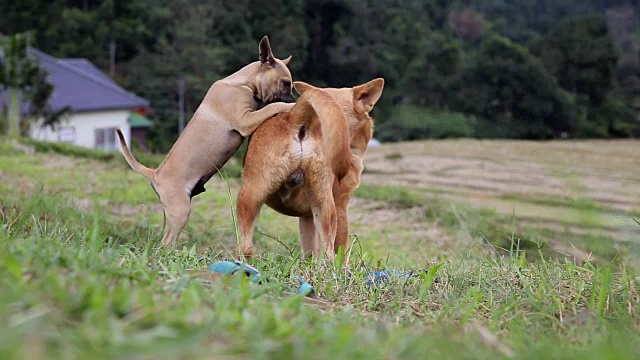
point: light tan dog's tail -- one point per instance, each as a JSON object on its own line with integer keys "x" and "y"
{"x": 135, "y": 165}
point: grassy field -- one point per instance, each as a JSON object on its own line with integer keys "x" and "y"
{"x": 521, "y": 250}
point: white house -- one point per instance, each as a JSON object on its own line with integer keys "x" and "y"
{"x": 98, "y": 105}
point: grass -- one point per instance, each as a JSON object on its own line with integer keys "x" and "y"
{"x": 73, "y": 288}
{"x": 82, "y": 276}
{"x": 232, "y": 169}
{"x": 485, "y": 224}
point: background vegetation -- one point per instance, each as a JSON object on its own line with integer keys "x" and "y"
{"x": 474, "y": 68}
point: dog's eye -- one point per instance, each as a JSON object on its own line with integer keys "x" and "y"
{"x": 286, "y": 83}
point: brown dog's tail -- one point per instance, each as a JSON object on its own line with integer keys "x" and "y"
{"x": 135, "y": 165}
{"x": 314, "y": 103}
{"x": 313, "y": 108}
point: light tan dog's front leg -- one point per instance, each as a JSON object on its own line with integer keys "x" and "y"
{"x": 252, "y": 119}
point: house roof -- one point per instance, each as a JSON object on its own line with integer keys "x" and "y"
{"x": 80, "y": 85}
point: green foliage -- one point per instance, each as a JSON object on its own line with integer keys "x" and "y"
{"x": 69, "y": 150}
{"x": 26, "y": 82}
{"x": 514, "y": 92}
{"x": 522, "y": 20}
{"x": 580, "y": 53}
{"x": 412, "y": 122}
{"x": 444, "y": 56}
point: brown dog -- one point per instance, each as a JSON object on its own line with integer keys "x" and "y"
{"x": 308, "y": 163}
{"x": 227, "y": 113}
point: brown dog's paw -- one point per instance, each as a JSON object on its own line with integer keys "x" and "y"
{"x": 247, "y": 253}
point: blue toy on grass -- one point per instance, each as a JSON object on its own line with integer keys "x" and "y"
{"x": 232, "y": 267}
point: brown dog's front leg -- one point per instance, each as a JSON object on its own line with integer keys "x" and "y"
{"x": 342, "y": 195}
{"x": 252, "y": 119}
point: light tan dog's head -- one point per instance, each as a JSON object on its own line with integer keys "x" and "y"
{"x": 356, "y": 103}
{"x": 274, "y": 81}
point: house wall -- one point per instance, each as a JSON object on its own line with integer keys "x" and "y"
{"x": 80, "y": 129}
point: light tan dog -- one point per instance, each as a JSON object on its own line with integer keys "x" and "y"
{"x": 227, "y": 113}
{"x": 308, "y": 163}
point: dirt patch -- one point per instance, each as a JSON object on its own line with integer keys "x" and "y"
{"x": 527, "y": 176}
{"x": 580, "y": 257}
{"x": 55, "y": 162}
{"x": 398, "y": 230}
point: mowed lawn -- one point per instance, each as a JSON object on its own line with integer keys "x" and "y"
{"x": 519, "y": 249}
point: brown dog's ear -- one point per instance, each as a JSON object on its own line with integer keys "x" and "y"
{"x": 286, "y": 61}
{"x": 301, "y": 87}
{"x": 266, "y": 55}
{"x": 365, "y": 96}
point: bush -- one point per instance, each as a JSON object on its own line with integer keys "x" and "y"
{"x": 69, "y": 150}
{"x": 515, "y": 93}
{"x": 413, "y": 122}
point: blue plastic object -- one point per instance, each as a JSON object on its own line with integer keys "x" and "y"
{"x": 232, "y": 267}
{"x": 305, "y": 289}
{"x": 380, "y": 277}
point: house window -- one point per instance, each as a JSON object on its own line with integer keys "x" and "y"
{"x": 106, "y": 139}
{"x": 67, "y": 134}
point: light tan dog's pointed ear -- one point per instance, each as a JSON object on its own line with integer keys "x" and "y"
{"x": 301, "y": 87}
{"x": 286, "y": 61}
{"x": 266, "y": 55}
{"x": 365, "y": 96}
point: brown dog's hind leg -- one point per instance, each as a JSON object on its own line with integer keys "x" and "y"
{"x": 247, "y": 208}
{"x": 177, "y": 208}
{"x": 308, "y": 238}
{"x": 329, "y": 221}
{"x": 319, "y": 193}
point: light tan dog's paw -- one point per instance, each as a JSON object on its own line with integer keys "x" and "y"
{"x": 286, "y": 107}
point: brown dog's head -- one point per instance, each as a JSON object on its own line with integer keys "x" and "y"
{"x": 356, "y": 103}
{"x": 274, "y": 82}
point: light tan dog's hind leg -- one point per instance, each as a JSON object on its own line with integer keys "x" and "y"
{"x": 177, "y": 208}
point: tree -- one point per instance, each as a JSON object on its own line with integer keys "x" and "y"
{"x": 423, "y": 48}
{"x": 582, "y": 56}
{"x": 514, "y": 92}
{"x": 26, "y": 84}
{"x": 17, "y": 73}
